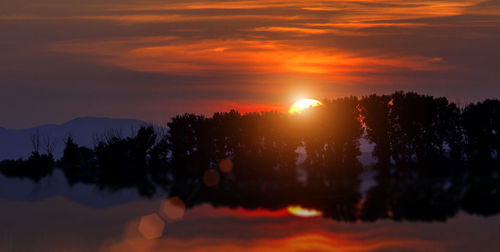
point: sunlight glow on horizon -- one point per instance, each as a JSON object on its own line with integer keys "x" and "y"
{"x": 303, "y": 104}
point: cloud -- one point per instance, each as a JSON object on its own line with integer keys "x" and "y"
{"x": 209, "y": 57}
{"x": 189, "y": 55}
{"x": 332, "y": 13}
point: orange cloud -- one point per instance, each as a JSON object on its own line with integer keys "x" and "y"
{"x": 367, "y": 10}
{"x": 172, "y": 18}
{"x": 361, "y": 12}
{"x": 240, "y": 56}
{"x": 269, "y": 44}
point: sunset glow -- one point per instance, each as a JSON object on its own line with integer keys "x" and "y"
{"x": 209, "y": 56}
{"x": 303, "y": 212}
{"x": 250, "y": 125}
{"x": 303, "y": 104}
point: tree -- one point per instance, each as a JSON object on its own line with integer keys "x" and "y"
{"x": 481, "y": 125}
{"x": 79, "y": 163}
{"x": 122, "y": 162}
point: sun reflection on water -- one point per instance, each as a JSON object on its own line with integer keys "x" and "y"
{"x": 303, "y": 212}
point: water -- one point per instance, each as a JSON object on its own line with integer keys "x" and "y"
{"x": 52, "y": 216}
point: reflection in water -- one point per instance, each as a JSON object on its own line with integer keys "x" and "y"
{"x": 303, "y": 212}
{"x": 58, "y": 224}
{"x": 432, "y": 161}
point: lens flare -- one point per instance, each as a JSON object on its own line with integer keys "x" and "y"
{"x": 303, "y": 104}
{"x": 303, "y": 212}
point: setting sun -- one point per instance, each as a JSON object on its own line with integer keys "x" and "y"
{"x": 303, "y": 104}
{"x": 303, "y": 212}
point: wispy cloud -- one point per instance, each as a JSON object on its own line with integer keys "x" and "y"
{"x": 253, "y": 53}
{"x": 207, "y": 57}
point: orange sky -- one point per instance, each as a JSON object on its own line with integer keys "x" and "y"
{"x": 154, "y": 59}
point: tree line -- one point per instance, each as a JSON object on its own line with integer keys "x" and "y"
{"x": 432, "y": 159}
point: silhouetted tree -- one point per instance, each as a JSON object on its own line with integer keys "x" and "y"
{"x": 375, "y": 111}
{"x": 481, "y": 125}
{"x": 432, "y": 159}
{"x": 35, "y": 167}
{"x": 78, "y": 163}
{"x": 122, "y": 162}
{"x": 414, "y": 148}
{"x": 189, "y": 144}
{"x": 331, "y": 139}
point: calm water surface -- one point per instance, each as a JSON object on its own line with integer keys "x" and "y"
{"x": 51, "y": 216}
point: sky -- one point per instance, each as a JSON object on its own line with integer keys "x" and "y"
{"x": 151, "y": 60}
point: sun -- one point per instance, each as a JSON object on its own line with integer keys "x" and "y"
{"x": 303, "y": 212}
{"x": 303, "y": 104}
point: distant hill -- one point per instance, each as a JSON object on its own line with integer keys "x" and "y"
{"x": 16, "y": 143}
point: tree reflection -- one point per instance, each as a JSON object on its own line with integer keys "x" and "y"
{"x": 432, "y": 159}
